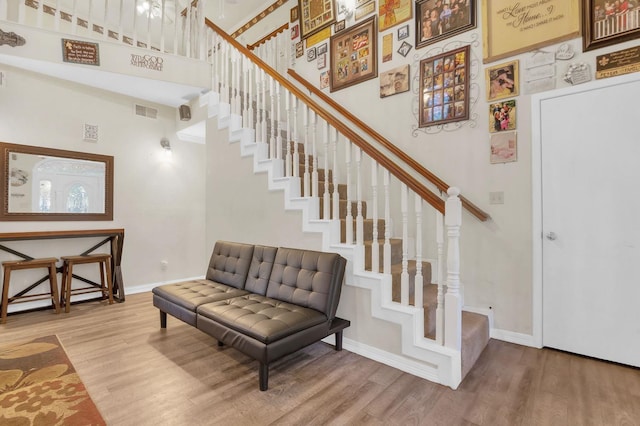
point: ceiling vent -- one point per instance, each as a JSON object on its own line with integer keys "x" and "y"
{"x": 144, "y": 111}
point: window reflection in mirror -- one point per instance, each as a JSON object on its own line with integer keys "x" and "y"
{"x": 49, "y": 184}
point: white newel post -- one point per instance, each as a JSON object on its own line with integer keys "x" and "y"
{"x": 453, "y": 299}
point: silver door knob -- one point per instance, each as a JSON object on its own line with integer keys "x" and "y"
{"x": 551, "y": 236}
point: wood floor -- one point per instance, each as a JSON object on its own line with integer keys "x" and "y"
{"x": 140, "y": 375}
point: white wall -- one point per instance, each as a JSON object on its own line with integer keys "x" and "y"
{"x": 160, "y": 204}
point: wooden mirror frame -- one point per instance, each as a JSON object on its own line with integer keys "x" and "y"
{"x": 6, "y": 149}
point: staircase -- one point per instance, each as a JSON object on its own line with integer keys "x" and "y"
{"x": 366, "y": 207}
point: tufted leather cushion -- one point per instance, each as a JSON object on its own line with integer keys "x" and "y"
{"x": 230, "y": 263}
{"x": 191, "y": 294}
{"x": 262, "y": 318}
{"x": 310, "y": 279}
{"x": 260, "y": 270}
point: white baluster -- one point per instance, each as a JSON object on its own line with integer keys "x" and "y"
{"x": 375, "y": 246}
{"x": 348, "y": 223}
{"x": 386, "y": 259}
{"x": 239, "y": 57}
{"x": 149, "y": 26}
{"x": 121, "y": 22}
{"x": 202, "y": 5}
{"x": 250, "y": 110}
{"x": 326, "y": 200}
{"x": 57, "y": 16}
{"x": 259, "y": 135}
{"x": 440, "y": 275}
{"x": 453, "y": 298}
{"x": 40, "y": 13}
{"x": 278, "y": 122}
{"x": 314, "y": 155}
{"x": 404, "y": 276}
{"x": 162, "y": 21}
{"x": 176, "y": 26}
{"x": 245, "y": 85}
{"x": 187, "y": 33}
{"x": 263, "y": 123}
{"x": 74, "y": 18}
{"x": 359, "y": 217}
{"x": 274, "y": 125}
{"x": 306, "y": 176}
{"x": 336, "y": 194}
{"x": 288, "y": 153}
{"x": 105, "y": 20}
{"x": 21, "y": 12}
{"x": 296, "y": 154}
{"x": 419, "y": 279}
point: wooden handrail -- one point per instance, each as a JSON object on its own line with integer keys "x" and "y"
{"x": 440, "y": 184}
{"x": 268, "y": 36}
{"x": 425, "y": 193}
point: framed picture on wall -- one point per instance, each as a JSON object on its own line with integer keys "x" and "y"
{"x": 354, "y": 55}
{"x": 604, "y": 24}
{"x": 293, "y": 14}
{"x": 511, "y": 27}
{"x": 444, "y": 88}
{"x": 436, "y": 21}
{"x": 394, "y": 81}
{"x": 502, "y": 81}
{"x": 394, "y": 12}
{"x": 502, "y": 116}
{"x": 315, "y": 15}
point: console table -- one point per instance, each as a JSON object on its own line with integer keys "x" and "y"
{"x": 113, "y": 237}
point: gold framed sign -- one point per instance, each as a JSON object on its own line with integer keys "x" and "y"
{"x": 516, "y": 26}
{"x": 315, "y": 15}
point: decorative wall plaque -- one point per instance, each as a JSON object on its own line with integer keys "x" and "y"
{"x": 80, "y": 52}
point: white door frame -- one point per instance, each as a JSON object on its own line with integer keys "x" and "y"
{"x": 536, "y": 186}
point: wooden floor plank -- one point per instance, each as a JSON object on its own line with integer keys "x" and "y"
{"x": 139, "y": 374}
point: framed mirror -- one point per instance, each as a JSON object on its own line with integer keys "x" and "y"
{"x": 52, "y": 184}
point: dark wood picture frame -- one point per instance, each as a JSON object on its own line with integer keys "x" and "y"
{"x": 354, "y": 56}
{"x": 600, "y": 29}
{"x": 444, "y": 88}
{"x": 431, "y": 28}
{"x": 310, "y": 25}
{"x": 7, "y": 151}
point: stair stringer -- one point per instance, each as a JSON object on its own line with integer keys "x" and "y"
{"x": 421, "y": 357}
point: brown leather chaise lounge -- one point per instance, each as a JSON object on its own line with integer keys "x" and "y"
{"x": 266, "y": 302}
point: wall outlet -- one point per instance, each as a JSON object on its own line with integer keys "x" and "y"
{"x": 164, "y": 264}
{"x": 496, "y": 197}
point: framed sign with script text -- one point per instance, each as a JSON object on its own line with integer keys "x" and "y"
{"x": 516, "y": 26}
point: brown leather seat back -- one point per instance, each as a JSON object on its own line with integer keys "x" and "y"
{"x": 229, "y": 263}
{"x": 311, "y": 279}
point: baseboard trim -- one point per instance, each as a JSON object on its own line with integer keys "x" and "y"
{"x": 513, "y": 337}
{"x": 405, "y": 364}
{"x": 148, "y": 287}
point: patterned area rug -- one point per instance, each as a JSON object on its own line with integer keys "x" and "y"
{"x": 39, "y": 386}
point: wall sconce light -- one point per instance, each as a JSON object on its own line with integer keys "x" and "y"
{"x": 164, "y": 143}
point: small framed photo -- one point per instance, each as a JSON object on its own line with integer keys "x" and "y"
{"x": 339, "y": 26}
{"x": 444, "y": 88}
{"x": 404, "y": 48}
{"x": 394, "y": 12}
{"x": 504, "y": 147}
{"x": 502, "y": 81}
{"x": 322, "y": 61}
{"x": 295, "y": 32}
{"x": 365, "y": 9}
{"x": 403, "y": 32}
{"x": 354, "y": 55}
{"x": 322, "y": 49}
{"x": 502, "y": 116}
{"x": 300, "y": 49}
{"x": 394, "y": 81}
{"x": 293, "y": 14}
{"x": 324, "y": 79}
{"x": 311, "y": 54}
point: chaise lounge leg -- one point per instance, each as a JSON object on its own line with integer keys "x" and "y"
{"x": 264, "y": 376}
{"x": 163, "y": 319}
{"x": 339, "y": 340}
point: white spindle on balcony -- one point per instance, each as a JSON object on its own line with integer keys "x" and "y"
{"x": 314, "y": 154}
{"x": 74, "y": 17}
{"x": 41, "y": 13}
{"x": 336, "y": 194}
{"x": 278, "y": 121}
{"x": 274, "y": 125}
{"x": 440, "y": 278}
{"x": 263, "y": 111}
{"x": 386, "y": 252}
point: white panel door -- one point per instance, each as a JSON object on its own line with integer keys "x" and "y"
{"x": 590, "y": 155}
